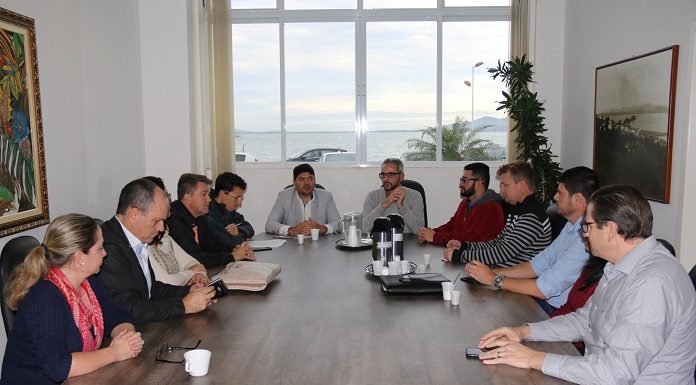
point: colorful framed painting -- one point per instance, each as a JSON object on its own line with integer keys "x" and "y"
{"x": 634, "y": 122}
{"x": 23, "y": 195}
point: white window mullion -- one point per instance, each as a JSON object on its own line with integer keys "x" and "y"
{"x": 438, "y": 108}
{"x": 283, "y": 121}
{"x": 360, "y": 90}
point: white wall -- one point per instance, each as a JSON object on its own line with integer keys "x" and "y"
{"x": 89, "y": 72}
{"x": 166, "y": 95}
{"x": 601, "y": 32}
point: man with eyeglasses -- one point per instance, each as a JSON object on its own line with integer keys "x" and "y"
{"x": 393, "y": 198}
{"x": 479, "y": 216}
{"x": 191, "y": 231}
{"x": 639, "y": 326}
{"x": 227, "y": 227}
{"x": 550, "y": 275}
{"x": 527, "y": 229}
{"x": 302, "y": 207}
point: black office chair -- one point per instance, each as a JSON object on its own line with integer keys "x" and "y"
{"x": 12, "y": 254}
{"x": 557, "y": 220}
{"x": 413, "y": 185}
{"x": 667, "y": 246}
{"x": 316, "y": 185}
{"x": 692, "y": 275}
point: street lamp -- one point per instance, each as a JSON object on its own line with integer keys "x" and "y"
{"x": 472, "y": 89}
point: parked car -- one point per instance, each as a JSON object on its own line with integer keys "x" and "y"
{"x": 313, "y": 155}
{"x": 338, "y": 157}
{"x": 245, "y": 157}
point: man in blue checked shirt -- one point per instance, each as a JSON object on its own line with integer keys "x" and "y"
{"x": 549, "y": 276}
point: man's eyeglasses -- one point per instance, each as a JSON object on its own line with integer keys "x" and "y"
{"x": 237, "y": 197}
{"x": 165, "y": 349}
{"x": 465, "y": 179}
{"x": 586, "y": 226}
{"x": 388, "y": 174}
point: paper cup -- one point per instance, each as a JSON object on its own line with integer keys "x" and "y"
{"x": 455, "y": 297}
{"x": 197, "y": 362}
{"x": 300, "y": 239}
{"x": 404, "y": 267}
{"x": 315, "y": 234}
{"x": 426, "y": 258}
{"x": 447, "y": 291}
{"x": 377, "y": 268}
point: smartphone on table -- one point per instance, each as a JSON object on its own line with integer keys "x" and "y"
{"x": 472, "y": 352}
{"x": 220, "y": 288}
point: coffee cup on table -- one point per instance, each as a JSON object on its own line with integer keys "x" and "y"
{"x": 315, "y": 234}
{"x": 447, "y": 291}
{"x": 300, "y": 239}
{"x": 197, "y": 362}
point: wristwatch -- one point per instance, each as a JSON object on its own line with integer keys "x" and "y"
{"x": 498, "y": 281}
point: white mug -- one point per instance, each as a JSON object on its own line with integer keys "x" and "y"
{"x": 197, "y": 362}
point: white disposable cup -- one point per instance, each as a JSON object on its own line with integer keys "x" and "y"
{"x": 300, "y": 238}
{"x": 353, "y": 236}
{"x": 404, "y": 267}
{"x": 377, "y": 267}
{"x": 447, "y": 291}
{"x": 426, "y": 258}
{"x": 394, "y": 268}
{"x": 197, "y": 362}
{"x": 455, "y": 297}
{"x": 315, "y": 234}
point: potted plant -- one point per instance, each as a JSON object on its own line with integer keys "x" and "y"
{"x": 525, "y": 109}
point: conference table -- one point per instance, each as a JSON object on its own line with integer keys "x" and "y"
{"x": 325, "y": 321}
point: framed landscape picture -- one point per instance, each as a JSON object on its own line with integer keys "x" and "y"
{"x": 23, "y": 195}
{"x": 634, "y": 122}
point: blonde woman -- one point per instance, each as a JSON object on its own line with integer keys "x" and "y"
{"x": 63, "y": 313}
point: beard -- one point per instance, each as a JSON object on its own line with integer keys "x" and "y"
{"x": 467, "y": 193}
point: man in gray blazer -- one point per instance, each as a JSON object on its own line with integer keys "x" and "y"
{"x": 301, "y": 208}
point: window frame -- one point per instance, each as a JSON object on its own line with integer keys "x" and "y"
{"x": 361, "y": 17}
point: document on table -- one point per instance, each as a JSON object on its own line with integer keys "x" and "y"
{"x": 267, "y": 243}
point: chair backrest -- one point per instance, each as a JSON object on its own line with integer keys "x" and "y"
{"x": 12, "y": 254}
{"x": 557, "y": 220}
{"x": 413, "y": 185}
{"x": 317, "y": 185}
{"x": 667, "y": 246}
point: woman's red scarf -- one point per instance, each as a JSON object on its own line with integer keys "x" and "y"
{"x": 85, "y": 319}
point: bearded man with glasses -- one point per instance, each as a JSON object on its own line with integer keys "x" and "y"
{"x": 479, "y": 216}
{"x": 393, "y": 198}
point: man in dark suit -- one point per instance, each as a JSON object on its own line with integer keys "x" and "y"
{"x": 126, "y": 272}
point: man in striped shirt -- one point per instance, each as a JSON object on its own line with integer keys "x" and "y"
{"x": 527, "y": 229}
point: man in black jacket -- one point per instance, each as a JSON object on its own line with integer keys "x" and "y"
{"x": 188, "y": 228}
{"x": 227, "y": 226}
{"x": 126, "y": 272}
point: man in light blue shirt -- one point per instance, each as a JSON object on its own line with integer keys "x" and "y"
{"x": 550, "y": 275}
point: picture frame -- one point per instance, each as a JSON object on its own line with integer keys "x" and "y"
{"x": 634, "y": 122}
{"x": 23, "y": 191}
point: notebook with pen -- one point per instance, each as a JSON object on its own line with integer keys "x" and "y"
{"x": 413, "y": 283}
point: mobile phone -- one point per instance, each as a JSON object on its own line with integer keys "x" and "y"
{"x": 469, "y": 280}
{"x": 261, "y": 248}
{"x": 474, "y": 352}
{"x": 220, "y": 288}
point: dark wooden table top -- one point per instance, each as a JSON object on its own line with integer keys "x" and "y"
{"x": 324, "y": 321}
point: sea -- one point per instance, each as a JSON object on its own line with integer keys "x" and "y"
{"x": 265, "y": 146}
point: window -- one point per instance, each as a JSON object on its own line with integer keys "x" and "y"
{"x": 394, "y": 78}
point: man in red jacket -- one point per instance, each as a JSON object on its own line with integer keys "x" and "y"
{"x": 479, "y": 216}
